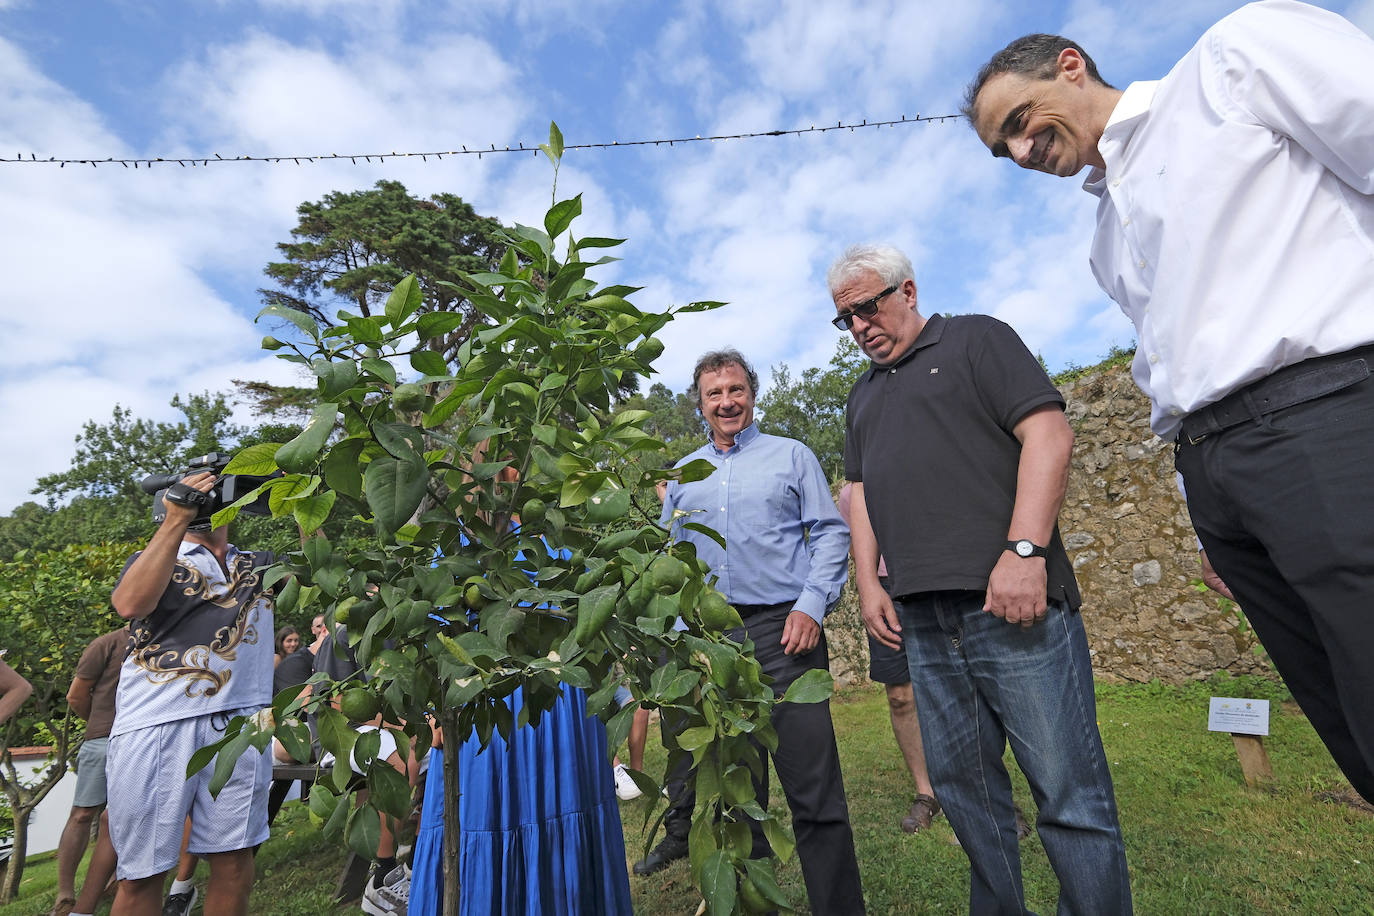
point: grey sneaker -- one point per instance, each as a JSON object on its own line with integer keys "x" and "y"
{"x": 391, "y": 897}
{"x": 180, "y": 904}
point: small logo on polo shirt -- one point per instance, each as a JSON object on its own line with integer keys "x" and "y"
{"x": 935, "y": 370}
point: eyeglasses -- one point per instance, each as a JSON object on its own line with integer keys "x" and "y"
{"x": 865, "y": 310}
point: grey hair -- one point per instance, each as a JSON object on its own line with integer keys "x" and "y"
{"x": 716, "y": 360}
{"x": 1034, "y": 56}
{"x": 890, "y": 264}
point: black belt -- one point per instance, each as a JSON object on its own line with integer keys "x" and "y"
{"x": 749, "y": 610}
{"x": 1295, "y": 384}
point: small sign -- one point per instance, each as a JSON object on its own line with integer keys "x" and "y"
{"x": 1238, "y": 716}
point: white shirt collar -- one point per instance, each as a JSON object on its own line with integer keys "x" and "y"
{"x": 1133, "y": 105}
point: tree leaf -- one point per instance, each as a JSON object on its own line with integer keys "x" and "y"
{"x": 312, "y": 511}
{"x": 561, "y": 215}
{"x": 255, "y": 459}
{"x": 295, "y": 316}
{"x": 336, "y": 375}
{"x": 404, "y": 300}
{"x": 380, "y": 368}
{"x": 607, "y": 505}
{"x": 341, "y": 467}
{"x": 365, "y": 830}
{"x": 813, "y": 686}
{"x": 228, "y": 758}
{"x": 718, "y": 883}
{"x": 299, "y": 454}
{"x": 427, "y": 362}
{"x": 394, "y": 489}
{"x": 782, "y": 842}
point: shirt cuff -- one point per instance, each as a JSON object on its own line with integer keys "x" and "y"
{"x": 811, "y": 607}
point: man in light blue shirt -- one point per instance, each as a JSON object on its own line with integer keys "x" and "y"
{"x": 783, "y": 567}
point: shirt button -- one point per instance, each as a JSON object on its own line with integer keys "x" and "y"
{"x": 1125, "y": 222}
{"x": 1173, "y": 411}
{"x": 1116, "y": 182}
{"x": 1141, "y": 263}
{"x": 1154, "y": 357}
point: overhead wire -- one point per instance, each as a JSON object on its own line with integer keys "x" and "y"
{"x": 462, "y": 150}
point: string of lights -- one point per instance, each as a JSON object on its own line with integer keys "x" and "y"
{"x": 479, "y": 152}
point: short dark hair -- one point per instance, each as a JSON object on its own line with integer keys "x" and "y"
{"x": 714, "y": 362}
{"x": 1035, "y": 56}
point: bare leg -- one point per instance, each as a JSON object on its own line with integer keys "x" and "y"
{"x": 186, "y": 865}
{"x": 139, "y": 897}
{"x": 639, "y": 733}
{"x": 99, "y": 872}
{"x": 906, "y": 727}
{"x": 231, "y": 881}
{"x": 71, "y": 847}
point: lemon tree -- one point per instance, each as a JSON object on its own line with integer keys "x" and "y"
{"x": 513, "y": 546}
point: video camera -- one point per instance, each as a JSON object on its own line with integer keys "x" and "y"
{"x": 227, "y": 490}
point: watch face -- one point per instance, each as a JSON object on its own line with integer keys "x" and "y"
{"x": 1024, "y": 548}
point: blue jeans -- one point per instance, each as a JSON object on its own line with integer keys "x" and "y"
{"x": 980, "y": 682}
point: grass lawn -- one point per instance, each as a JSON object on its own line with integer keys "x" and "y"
{"x": 1198, "y": 840}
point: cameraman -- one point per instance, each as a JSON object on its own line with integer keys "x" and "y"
{"x": 201, "y": 654}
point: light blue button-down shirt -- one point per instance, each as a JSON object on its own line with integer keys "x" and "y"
{"x": 785, "y": 540}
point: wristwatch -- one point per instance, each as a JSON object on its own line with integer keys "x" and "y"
{"x": 1026, "y": 548}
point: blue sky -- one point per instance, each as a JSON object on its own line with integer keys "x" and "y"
{"x": 128, "y": 286}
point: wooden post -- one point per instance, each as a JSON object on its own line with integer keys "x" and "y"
{"x": 1254, "y": 760}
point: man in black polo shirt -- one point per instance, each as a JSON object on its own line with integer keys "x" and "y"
{"x": 958, "y": 448}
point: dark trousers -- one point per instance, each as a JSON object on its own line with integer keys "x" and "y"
{"x": 1283, "y": 502}
{"x": 808, "y": 766}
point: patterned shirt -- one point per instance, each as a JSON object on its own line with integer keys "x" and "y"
{"x": 206, "y": 648}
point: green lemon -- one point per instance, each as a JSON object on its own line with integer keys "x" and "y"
{"x": 716, "y": 613}
{"x": 409, "y": 397}
{"x": 359, "y": 704}
{"x": 532, "y": 513}
{"x": 666, "y": 574}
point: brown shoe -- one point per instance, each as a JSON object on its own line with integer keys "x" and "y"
{"x": 1023, "y": 827}
{"x": 922, "y": 812}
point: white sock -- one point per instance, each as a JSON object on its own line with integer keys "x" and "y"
{"x": 181, "y": 887}
{"x": 80, "y": 914}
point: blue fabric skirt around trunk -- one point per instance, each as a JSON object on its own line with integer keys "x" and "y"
{"x": 539, "y": 822}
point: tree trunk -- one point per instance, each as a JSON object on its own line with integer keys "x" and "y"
{"x": 14, "y": 870}
{"x": 452, "y": 742}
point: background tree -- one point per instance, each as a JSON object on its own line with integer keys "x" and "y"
{"x": 54, "y": 603}
{"x": 97, "y": 499}
{"x": 672, "y": 418}
{"x": 455, "y": 610}
{"x": 811, "y": 408}
{"x": 354, "y": 247}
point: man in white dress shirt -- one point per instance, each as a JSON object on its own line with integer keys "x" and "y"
{"x": 1236, "y": 230}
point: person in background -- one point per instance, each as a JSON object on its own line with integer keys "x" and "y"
{"x": 92, "y": 697}
{"x": 14, "y": 690}
{"x": 783, "y": 568}
{"x": 888, "y": 667}
{"x": 288, "y": 641}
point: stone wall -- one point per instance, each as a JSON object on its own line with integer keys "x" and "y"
{"x": 1133, "y": 548}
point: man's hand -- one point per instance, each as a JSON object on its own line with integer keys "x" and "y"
{"x": 137, "y": 594}
{"x": 799, "y": 634}
{"x": 1211, "y": 579}
{"x": 179, "y": 515}
{"x": 1016, "y": 589}
{"x": 880, "y": 618}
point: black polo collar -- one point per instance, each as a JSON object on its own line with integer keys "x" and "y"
{"x": 929, "y": 336}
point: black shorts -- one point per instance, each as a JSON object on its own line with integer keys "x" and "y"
{"x": 885, "y": 665}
